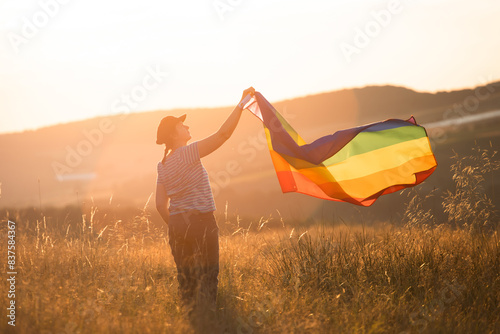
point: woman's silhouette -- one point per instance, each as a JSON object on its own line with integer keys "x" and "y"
{"x": 185, "y": 202}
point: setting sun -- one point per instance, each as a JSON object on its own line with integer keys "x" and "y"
{"x": 65, "y": 60}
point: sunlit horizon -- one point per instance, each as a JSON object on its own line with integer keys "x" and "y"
{"x": 180, "y": 109}
{"x": 87, "y": 57}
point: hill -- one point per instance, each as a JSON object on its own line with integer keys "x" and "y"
{"x": 113, "y": 159}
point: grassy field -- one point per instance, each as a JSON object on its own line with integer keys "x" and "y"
{"x": 348, "y": 279}
{"x": 94, "y": 272}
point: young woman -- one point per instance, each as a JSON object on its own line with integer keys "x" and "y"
{"x": 183, "y": 183}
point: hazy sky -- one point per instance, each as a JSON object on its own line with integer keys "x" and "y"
{"x": 65, "y": 60}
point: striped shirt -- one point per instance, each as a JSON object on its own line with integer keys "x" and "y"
{"x": 186, "y": 181}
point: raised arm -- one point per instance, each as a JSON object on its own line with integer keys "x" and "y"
{"x": 214, "y": 141}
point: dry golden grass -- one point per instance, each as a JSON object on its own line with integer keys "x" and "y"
{"x": 272, "y": 280}
{"x": 97, "y": 273}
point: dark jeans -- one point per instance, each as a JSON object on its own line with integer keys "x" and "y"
{"x": 194, "y": 240}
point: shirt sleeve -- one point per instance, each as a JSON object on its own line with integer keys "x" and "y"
{"x": 190, "y": 154}
{"x": 159, "y": 175}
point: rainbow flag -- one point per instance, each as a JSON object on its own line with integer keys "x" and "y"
{"x": 354, "y": 165}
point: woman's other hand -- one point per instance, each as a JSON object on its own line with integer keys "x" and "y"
{"x": 247, "y": 91}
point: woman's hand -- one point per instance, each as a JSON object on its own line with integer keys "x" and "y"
{"x": 247, "y": 91}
